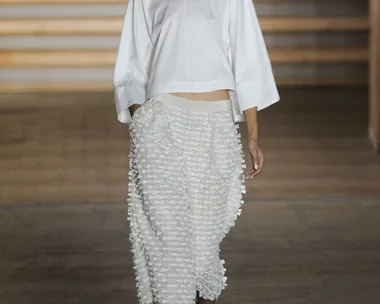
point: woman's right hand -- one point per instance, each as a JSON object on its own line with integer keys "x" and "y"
{"x": 253, "y": 143}
{"x": 257, "y": 158}
{"x": 133, "y": 108}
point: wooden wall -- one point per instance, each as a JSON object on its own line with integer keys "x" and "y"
{"x": 71, "y": 44}
{"x": 374, "y": 124}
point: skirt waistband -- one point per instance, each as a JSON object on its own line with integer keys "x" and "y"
{"x": 195, "y": 105}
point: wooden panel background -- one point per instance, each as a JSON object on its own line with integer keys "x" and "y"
{"x": 310, "y": 42}
{"x": 374, "y": 124}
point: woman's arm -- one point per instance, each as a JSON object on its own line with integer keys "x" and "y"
{"x": 130, "y": 75}
{"x": 253, "y": 142}
{"x": 255, "y": 84}
{"x": 251, "y": 122}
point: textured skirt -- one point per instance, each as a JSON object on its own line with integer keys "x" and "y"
{"x": 186, "y": 187}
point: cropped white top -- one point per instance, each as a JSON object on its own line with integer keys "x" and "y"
{"x": 172, "y": 46}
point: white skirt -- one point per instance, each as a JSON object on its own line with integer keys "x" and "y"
{"x": 185, "y": 192}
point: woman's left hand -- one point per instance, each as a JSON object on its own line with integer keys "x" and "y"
{"x": 257, "y": 158}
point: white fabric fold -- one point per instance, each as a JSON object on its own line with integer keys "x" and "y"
{"x": 171, "y": 46}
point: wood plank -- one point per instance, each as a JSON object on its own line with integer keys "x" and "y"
{"x": 374, "y": 127}
{"x": 107, "y": 86}
{"x": 60, "y": 26}
{"x": 21, "y": 2}
{"x": 99, "y": 58}
{"x": 112, "y": 25}
{"x": 318, "y": 55}
{"x": 57, "y": 58}
{"x": 315, "y": 24}
{"x": 55, "y": 87}
{"x": 319, "y": 81}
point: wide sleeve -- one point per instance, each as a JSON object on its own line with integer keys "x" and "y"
{"x": 131, "y": 68}
{"x": 254, "y": 79}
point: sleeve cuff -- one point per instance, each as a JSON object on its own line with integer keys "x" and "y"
{"x": 126, "y": 96}
{"x": 256, "y": 95}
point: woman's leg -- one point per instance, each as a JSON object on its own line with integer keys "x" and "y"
{"x": 186, "y": 194}
{"x": 158, "y": 212}
{"x": 214, "y": 167}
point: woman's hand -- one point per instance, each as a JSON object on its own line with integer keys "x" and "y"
{"x": 133, "y": 108}
{"x": 253, "y": 143}
{"x": 257, "y": 158}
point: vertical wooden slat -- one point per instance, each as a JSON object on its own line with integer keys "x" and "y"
{"x": 374, "y": 127}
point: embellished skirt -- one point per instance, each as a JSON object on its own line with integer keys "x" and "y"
{"x": 186, "y": 187}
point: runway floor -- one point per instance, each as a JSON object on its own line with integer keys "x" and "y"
{"x": 309, "y": 231}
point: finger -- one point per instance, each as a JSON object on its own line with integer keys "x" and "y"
{"x": 258, "y": 159}
{"x": 256, "y": 172}
{"x": 255, "y": 160}
{"x": 249, "y": 174}
{"x": 252, "y": 173}
{"x": 260, "y": 167}
{"x": 261, "y": 159}
{"x": 255, "y": 164}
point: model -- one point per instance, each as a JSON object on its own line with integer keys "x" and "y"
{"x": 187, "y": 72}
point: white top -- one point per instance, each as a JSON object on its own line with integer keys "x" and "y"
{"x": 172, "y": 46}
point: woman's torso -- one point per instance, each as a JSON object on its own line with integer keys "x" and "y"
{"x": 191, "y": 46}
{"x": 208, "y": 96}
{"x": 196, "y": 10}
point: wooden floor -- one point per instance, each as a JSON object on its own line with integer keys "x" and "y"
{"x": 309, "y": 232}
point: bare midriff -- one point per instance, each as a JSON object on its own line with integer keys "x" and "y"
{"x": 208, "y": 96}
